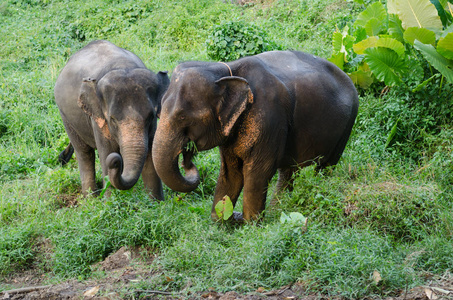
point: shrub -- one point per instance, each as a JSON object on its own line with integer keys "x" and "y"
{"x": 235, "y": 39}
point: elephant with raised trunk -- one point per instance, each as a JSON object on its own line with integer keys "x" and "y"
{"x": 109, "y": 101}
{"x": 278, "y": 110}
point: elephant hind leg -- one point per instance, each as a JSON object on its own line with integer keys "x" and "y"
{"x": 86, "y": 160}
{"x": 335, "y": 155}
{"x": 285, "y": 182}
{"x": 66, "y": 155}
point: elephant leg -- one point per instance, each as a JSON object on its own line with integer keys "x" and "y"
{"x": 151, "y": 180}
{"x": 230, "y": 181}
{"x": 86, "y": 161}
{"x": 256, "y": 182}
{"x": 285, "y": 181}
{"x": 85, "y": 158}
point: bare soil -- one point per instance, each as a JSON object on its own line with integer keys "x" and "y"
{"x": 126, "y": 267}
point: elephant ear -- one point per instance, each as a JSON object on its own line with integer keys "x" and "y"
{"x": 236, "y": 94}
{"x": 90, "y": 103}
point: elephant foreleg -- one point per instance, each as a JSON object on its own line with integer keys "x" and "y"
{"x": 151, "y": 180}
{"x": 255, "y": 190}
{"x": 230, "y": 182}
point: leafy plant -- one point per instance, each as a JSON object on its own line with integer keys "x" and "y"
{"x": 382, "y": 44}
{"x": 224, "y": 208}
{"x": 235, "y": 39}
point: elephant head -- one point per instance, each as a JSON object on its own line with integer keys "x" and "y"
{"x": 123, "y": 106}
{"x": 198, "y": 107}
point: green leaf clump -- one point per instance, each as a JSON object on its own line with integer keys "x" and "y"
{"x": 235, "y": 39}
{"x": 393, "y": 39}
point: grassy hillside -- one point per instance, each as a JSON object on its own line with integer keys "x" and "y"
{"x": 386, "y": 208}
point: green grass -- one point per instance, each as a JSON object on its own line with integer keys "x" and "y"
{"x": 385, "y": 209}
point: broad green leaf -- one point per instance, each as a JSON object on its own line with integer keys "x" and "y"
{"x": 445, "y": 16}
{"x": 338, "y": 60}
{"x": 294, "y": 218}
{"x": 355, "y": 63}
{"x": 448, "y": 6}
{"x": 361, "y": 46}
{"x": 385, "y": 64}
{"x": 424, "y": 35}
{"x": 391, "y": 44}
{"x": 337, "y": 42}
{"x": 416, "y": 13}
{"x": 298, "y": 218}
{"x": 442, "y": 64}
{"x": 348, "y": 41}
{"x": 371, "y": 42}
{"x": 224, "y": 208}
{"x": 360, "y": 34}
{"x": 361, "y": 78}
{"x": 445, "y": 46}
{"x": 375, "y": 10}
{"x": 395, "y": 28}
{"x": 447, "y": 30}
{"x": 373, "y": 26}
{"x": 392, "y": 7}
{"x": 107, "y": 185}
{"x": 284, "y": 218}
{"x": 392, "y": 133}
{"x": 424, "y": 83}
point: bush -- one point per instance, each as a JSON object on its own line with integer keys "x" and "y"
{"x": 235, "y": 39}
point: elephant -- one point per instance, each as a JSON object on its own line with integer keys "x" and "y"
{"x": 109, "y": 101}
{"x": 275, "y": 111}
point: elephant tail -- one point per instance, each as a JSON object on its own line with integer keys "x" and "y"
{"x": 66, "y": 155}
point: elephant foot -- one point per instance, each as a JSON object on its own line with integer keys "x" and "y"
{"x": 237, "y": 218}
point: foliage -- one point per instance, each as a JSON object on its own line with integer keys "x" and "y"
{"x": 380, "y": 45}
{"x": 224, "y": 208}
{"x": 386, "y": 207}
{"x": 16, "y": 248}
{"x": 235, "y": 39}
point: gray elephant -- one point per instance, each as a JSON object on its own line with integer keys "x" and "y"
{"x": 278, "y": 110}
{"x": 109, "y": 101}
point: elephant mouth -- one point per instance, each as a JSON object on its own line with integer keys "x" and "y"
{"x": 188, "y": 152}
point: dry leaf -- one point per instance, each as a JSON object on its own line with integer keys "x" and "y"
{"x": 260, "y": 290}
{"x": 441, "y": 290}
{"x": 430, "y": 294}
{"x": 91, "y": 292}
{"x": 376, "y": 277}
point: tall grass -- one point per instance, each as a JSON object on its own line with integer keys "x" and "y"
{"x": 384, "y": 209}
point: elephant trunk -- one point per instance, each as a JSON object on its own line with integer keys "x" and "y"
{"x": 125, "y": 169}
{"x": 167, "y": 147}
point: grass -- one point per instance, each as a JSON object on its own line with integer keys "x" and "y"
{"x": 384, "y": 209}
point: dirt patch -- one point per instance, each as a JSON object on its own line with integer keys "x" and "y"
{"x": 124, "y": 268}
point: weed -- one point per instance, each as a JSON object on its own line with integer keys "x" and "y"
{"x": 235, "y": 39}
{"x": 385, "y": 208}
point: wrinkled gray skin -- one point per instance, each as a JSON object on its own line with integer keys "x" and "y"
{"x": 280, "y": 110}
{"x": 109, "y": 101}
